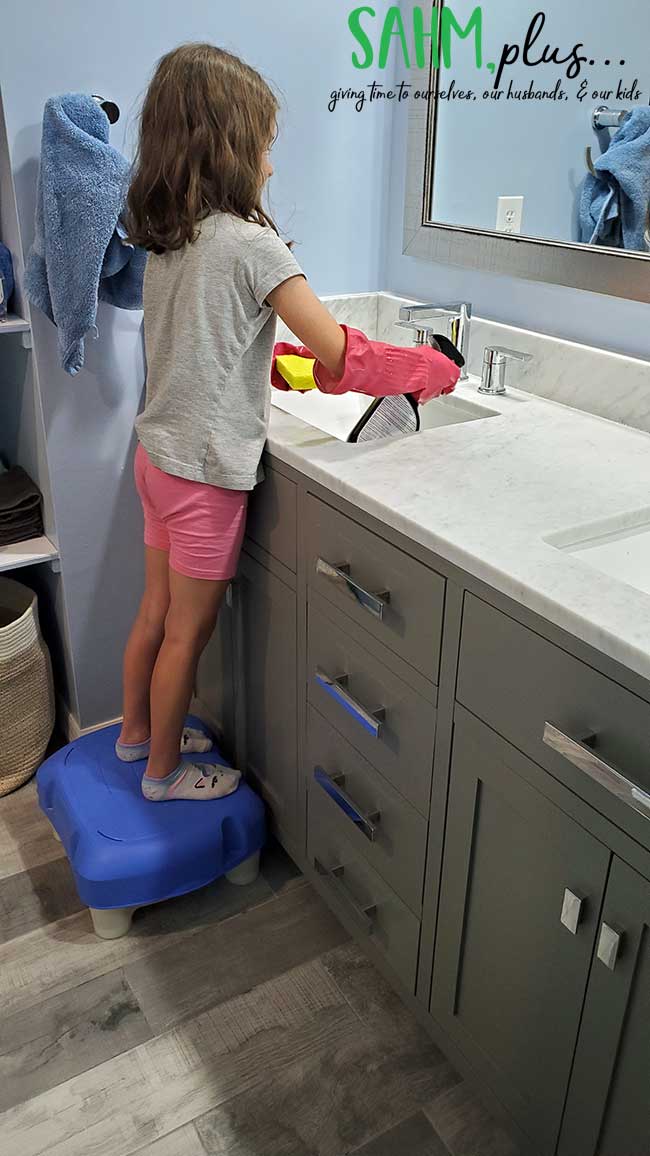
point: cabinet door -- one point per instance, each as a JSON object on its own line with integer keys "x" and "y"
{"x": 216, "y": 680}
{"x": 510, "y": 976}
{"x": 608, "y": 1110}
{"x": 269, "y": 687}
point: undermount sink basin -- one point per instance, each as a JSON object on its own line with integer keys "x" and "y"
{"x": 452, "y": 410}
{"x": 337, "y": 416}
{"x": 618, "y": 547}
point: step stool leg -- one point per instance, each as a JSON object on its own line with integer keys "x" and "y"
{"x": 113, "y": 922}
{"x": 246, "y": 872}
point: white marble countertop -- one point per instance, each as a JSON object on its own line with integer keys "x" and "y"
{"x": 485, "y": 495}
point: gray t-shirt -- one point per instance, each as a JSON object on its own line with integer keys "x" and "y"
{"x": 209, "y": 337}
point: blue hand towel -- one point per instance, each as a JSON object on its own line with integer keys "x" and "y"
{"x": 614, "y": 204}
{"x": 79, "y": 255}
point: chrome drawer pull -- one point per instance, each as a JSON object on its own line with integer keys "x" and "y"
{"x": 582, "y": 755}
{"x": 371, "y": 721}
{"x": 375, "y": 603}
{"x": 333, "y": 786}
{"x": 571, "y": 912}
{"x": 364, "y": 915}
{"x": 609, "y": 946}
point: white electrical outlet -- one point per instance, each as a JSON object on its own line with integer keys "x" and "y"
{"x": 510, "y": 214}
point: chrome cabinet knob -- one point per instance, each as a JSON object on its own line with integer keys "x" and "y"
{"x": 571, "y": 911}
{"x": 609, "y": 946}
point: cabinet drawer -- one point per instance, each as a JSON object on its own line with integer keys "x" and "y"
{"x": 394, "y": 597}
{"x": 519, "y": 682}
{"x": 378, "y": 822}
{"x": 360, "y": 895}
{"x": 272, "y": 517}
{"x": 384, "y": 718}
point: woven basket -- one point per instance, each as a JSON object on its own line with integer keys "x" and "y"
{"x": 26, "y": 691}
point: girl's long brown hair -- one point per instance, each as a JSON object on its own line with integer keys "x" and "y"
{"x": 206, "y": 122}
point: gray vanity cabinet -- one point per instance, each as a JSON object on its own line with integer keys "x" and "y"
{"x": 461, "y": 788}
{"x": 272, "y": 518}
{"x": 248, "y": 676}
{"x": 608, "y": 1109}
{"x": 522, "y": 889}
{"x": 215, "y": 681}
{"x": 352, "y": 568}
{"x": 268, "y": 698}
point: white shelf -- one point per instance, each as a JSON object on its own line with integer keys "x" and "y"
{"x": 28, "y": 553}
{"x": 14, "y": 324}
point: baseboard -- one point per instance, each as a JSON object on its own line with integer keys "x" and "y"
{"x": 67, "y": 722}
{"x": 70, "y": 725}
{"x": 72, "y": 729}
{"x": 110, "y": 722}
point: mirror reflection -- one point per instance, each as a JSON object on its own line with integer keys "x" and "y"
{"x": 553, "y": 142}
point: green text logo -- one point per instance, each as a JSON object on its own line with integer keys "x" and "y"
{"x": 430, "y": 36}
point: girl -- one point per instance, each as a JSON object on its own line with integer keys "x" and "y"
{"x": 217, "y": 275}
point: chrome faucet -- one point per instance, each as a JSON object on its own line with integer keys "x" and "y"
{"x": 495, "y": 367}
{"x": 456, "y": 325}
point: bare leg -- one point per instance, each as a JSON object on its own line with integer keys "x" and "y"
{"x": 142, "y": 648}
{"x": 194, "y": 606}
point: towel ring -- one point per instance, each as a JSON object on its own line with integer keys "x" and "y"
{"x": 589, "y": 161}
{"x": 110, "y": 108}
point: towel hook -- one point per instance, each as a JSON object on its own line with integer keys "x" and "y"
{"x": 110, "y": 108}
{"x": 604, "y": 117}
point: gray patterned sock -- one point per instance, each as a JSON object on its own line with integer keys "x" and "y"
{"x": 197, "y": 781}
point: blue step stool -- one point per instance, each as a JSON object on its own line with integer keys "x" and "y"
{"x": 126, "y": 852}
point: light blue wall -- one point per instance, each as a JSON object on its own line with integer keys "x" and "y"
{"x": 329, "y": 195}
{"x": 590, "y": 318}
{"x": 488, "y": 149}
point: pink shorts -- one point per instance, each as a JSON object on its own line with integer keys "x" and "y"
{"x": 199, "y": 525}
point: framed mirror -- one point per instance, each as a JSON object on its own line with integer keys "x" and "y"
{"x": 530, "y": 154}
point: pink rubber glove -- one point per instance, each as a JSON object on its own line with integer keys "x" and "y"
{"x": 382, "y": 370}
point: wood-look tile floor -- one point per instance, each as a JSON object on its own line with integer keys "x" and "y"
{"x": 233, "y": 1022}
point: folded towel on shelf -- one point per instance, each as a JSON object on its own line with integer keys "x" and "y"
{"x": 79, "y": 255}
{"x": 7, "y": 275}
{"x": 21, "y": 505}
{"x": 614, "y": 203}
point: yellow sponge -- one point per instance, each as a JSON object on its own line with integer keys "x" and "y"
{"x": 298, "y": 372}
